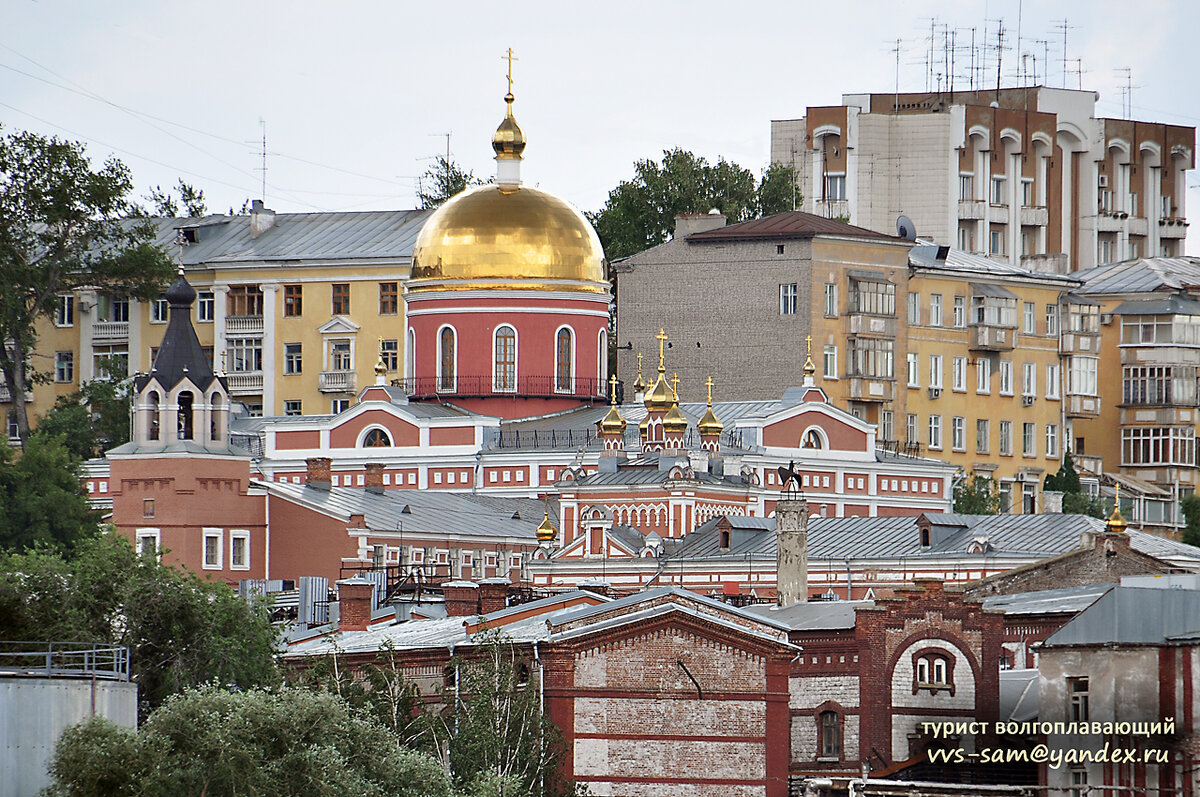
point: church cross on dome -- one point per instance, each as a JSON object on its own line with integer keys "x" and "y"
{"x": 612, "y": 381}
{"x": 510, "y": 58}
{"x": 661, "y": 337}
{"x": 709, "y": 383}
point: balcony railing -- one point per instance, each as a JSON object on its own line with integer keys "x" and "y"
{"x": 338, "y": 382}
{"x": 110, "y": 330}
{"x": 6, "y": 397}
{"x": 65, "y": 659}
{"x": 243, "y": 324}
{"x": 1078, "y": 406}
{"x": 993, "y": 338}
{"x": 862, "y": 324}
{"x": 526, "y": 385}
{"x": 1080, "y": 343}
{"x": 1172, "y": 227}
{"x": 971, "y": 209}
{"x": 870, "y": 388}
{"x": 245, "y": 383}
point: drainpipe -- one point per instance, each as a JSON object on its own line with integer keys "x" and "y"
{"x": 542, "y": 702}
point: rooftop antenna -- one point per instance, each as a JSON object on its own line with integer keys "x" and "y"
{"x": 1127, "y": 92}
{"x": 1063, "y": 25}
{"x": 999, "y": 56}
{"x": 263, "y": 123}
{"x": 1020, "y": 8}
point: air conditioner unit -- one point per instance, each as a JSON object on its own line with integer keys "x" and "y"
{"x": 935, "y": 392}
{"x": 1103, "y": 182}
{"x": 1027, "y": 401}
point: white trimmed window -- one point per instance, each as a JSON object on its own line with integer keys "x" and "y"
{"x": 960, "y": 373}
{"x": 213, "y": 539}
{"x": 983, "y": 376}
{"x": 239, "y": 549}
{"x": 149, "y": 542}
{"x": 935, "y": 431}
{"x": 1006, "y": 377}
{"x": 787, "y": 299}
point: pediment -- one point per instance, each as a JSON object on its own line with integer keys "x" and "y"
{"x": 339, "y": 325}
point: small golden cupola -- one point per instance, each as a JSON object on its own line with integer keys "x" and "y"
{"x": 675, "y": 423}
{"x": 1116, "y": 523}
{"x": 639, "y": 385}
{"x": 612, "y": 425}
{"x": 710, "y": 426}
{"x": 546, "y": 533}
{"x": 508, "y": 141}
{"x": 660, "y": 397}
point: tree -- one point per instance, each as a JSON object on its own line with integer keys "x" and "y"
{"x": 42, "y": 500}
{"x": 1190, "y": 506}
{"x": 181, "y": 631}
{"x": 976, "y": 496}
{"x": 163, "y": 203}
{"x": 1066, "y": 480}
{"x": 61, "y": 229}
{"x": 91, "y": 420}
{"x": 442, "y": 180}
{"x": 208, "y": 741}
{"x": 640, "y": 213}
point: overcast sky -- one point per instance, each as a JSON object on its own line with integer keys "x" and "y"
{"x": 357, "y": 97}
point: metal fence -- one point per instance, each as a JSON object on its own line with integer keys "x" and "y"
{"x": 65, "y": 660}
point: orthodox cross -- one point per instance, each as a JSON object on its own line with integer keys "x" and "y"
{"x": 510, "y": 58}
{"x": 675, "y": 385}
{"x": 612, "y": 381}
{"x": 661, "y": 337}
{"x": 709, "y": 383}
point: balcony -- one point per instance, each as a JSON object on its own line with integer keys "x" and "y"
{"x": 1160, "y": 354}
{"x": 872, "y": 325}
{"x": 1077, "y": 406}
{"x": 1079, "y": 343}
{"x": 6, "y": 397}
{"x": 525, "y": 386}
{"x": 988, "y": 337}
{"x": 1144, "y": 415}
{"x": 972, "y": 209}
{"x": 1089, "y": 464}
{"x": 1110, "y": 221}
{"x": 338, "y": 382}
{"x": 870, "y": 388}
{"x": 110, "y": 331}
{"x": 1174, "y": 227}
{"x": 1034, "y": 216}
{"x": 833, "y": 208}
{"x": 245, "y": 383}
{"x": 243, "y": 325}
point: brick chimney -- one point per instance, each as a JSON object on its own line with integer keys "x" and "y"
{"x": 261, "y": 218}
{"x": 374, "y": 477}
{"x": 355, "y": 596}
{"x": 688, "y": 223}
{"x": 317, "y": 476}
{"x": 493, "y": 595}
{"x": 791, "y": 551}
{"x": 462, "y": 598}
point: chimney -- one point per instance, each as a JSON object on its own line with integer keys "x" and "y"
{"x": 374, "y": 478}
{"x": 355, "y": 599}
{"x": 462, "y": 598}
{"x": 791, "y": 551}
{"x": 688, "y": 223}
{"x": 261, "y": 219}
{"x": 493, "y": 595}
{"x": 318, "y": 472}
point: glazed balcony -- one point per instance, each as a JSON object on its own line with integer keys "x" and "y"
{"x": 1161, "y": 354}
{"x": 1144, "y": 415}
{"x": 870, "y": 388}
{"x": 1077, "y": 406}
{"x": 1079, "y": 343}
{"x": 872, "y": 325}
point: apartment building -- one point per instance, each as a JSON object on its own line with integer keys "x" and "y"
{"x": 1013, "y": 173}
{"x": 295, "y": 309}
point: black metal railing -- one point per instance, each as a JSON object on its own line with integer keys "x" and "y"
{"x": 65, "y": 659}
{"x": 523, "y": 385}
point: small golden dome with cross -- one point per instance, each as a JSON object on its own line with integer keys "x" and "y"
{"x": 710, "y": 424}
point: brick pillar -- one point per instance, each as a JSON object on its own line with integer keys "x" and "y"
{"x": 493, "y": 595}
{"x": 354, "y": 603}
{"x": 374, "y": 478}
{"x": 462, "y": 598}
{"x": 791, "y": 551}
{"x": 318, "y": 476}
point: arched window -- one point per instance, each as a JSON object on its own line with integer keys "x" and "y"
{"x": 186, "y": 399}
{"x": 831, "y": 735}
{"x": 564, "y": 354}
{"x": 377, "y": 438}
{"x": 933, "y": 670}
{"x": 812, "y": 439}
{"x": 504, "y": 373}
{"x": 152, "y": 431}
{"x": 446, "y": 364}
{"x": 410, "y": 354}
{"x": 602, "y": 365}
{"x": 214, "y": 426}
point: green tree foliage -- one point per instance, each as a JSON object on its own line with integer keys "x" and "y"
{"x": 976, "y": 496}
{"x": 1190, "y": 506}
{"x": 442, "y": 180}
{"x": 1066, "y": 480}
{"x": 190, "y": 201}
{"x": 181, "y": 631}
{"x": 640, "y": 213}
{"x": 62, "y": 228}
{"x": 42, "y": 500}
{"x": 91, "y": 420}
{"x": 1081, "y": 503}
{"x": 205, "y": 741}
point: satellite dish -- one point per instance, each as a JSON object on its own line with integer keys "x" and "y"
{"x": 906, "y": 229}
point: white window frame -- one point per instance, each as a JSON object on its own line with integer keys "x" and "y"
{"x": 958, "y": 433}
{"x": 1006, "y": 378}
{"x": 244, "y": 535}
{"x": 1029, "y": 379}
{"x": 1053, "y": 381}
{"x": 960, "y": 311}
{"x": 155, "y": 535}
{"x": 831, "y": 300}
{"x": 1028, "y": 439}
{"x": 914, "y": 369}
{"x": 499, "y": 383}
{"x": 787, "y": 298}
{"x": 160, "y": 310}
{"x": 212, "y": 534}
{"x": 1052, "y": 319}
{"x": 205, "y": 304}
{"x": 935, "y": 432}
{"x": 293, "y": 362}
{"x": 829, "y": 361}
{"x": 1030, "y": 318}
{"x": 959, "y": 374}
{"x": 64, "y": 361}
{"x": 1006, "y": 438}
{"x": 1051, "y": 441}
{"x": 64, "y": 312}
{"x": 935, "y": 371}
{"x": 935, "y": 310}
{"x": 983, "y": 376}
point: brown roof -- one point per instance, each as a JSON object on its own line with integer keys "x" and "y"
{"x": 790, "y": 224}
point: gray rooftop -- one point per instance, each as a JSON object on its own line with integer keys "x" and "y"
{"x": 1068, "y": 600}
{"x": 924, "y": 256}
{"x": 1142, "y": 275}
{"x": 810, "y": 615}
{"x": 1135, "y": 616}
{"x": 1159, "y": 305}
{"x": 1018, "y": 695}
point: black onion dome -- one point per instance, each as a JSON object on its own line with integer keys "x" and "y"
{"x": 180, "y": 294}
{"x": 180, "y": 353}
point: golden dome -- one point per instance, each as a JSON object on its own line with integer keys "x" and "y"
{"x": 660, "y": 397}
{"x": 710, "y": 424}
{"x": 509, "y": 141}
{"x": 546, "y": 532}
{"x": 1116, "y": 523}
{"x": 675, "y": 420}
{"x": 612, "y": 423}
{"x": 510, "y": 237}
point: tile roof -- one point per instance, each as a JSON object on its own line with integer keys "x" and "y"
{"x": 790, "y": 224}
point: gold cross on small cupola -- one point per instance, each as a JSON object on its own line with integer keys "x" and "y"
{"x": 661, "y": 337}
{"x": 809, "y": 367}
{"x": 510, "y": 58}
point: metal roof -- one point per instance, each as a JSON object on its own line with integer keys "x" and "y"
{"x": 924, "y": 256}
{"x": 1165, "y": 305}
{"x": 790, "y": 224}
{"x": 1048, "y": 601}
{"x": 1018, "y": 695}
{"x": 1134, "y": 616}
{"x": 995, "y": 291}
{"x": 1142, "y": 275}
{"x": 810, "y": 615}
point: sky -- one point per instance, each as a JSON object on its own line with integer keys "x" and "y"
{"x": 357, "y": 98}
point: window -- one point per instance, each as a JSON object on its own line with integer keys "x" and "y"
{"x": 983, "y": 435}
{"x": 160, "y": 309}
{"x": 787, "y": 299}
{"x": 1028, "y": 434}
{"x": 966, "y": 187}
{"x": 914, "y": 308}
{"x": 997, "y": 242}
{"x": 983, "y": 376}
{"x": 910, "y": 427}
{"x": 377, "y": 438}
{"x": 835, "y": 187}
{"x": 64, "y": 366}
{"x": 1158, "y": 445}
{"x": 1028, "y": 379}
{"x": 1077, "y": 691}
{"x": 239, "y": 550}
{"x": 1082, "y": 373}
{"x": 1053, "y": 380}
{"x": 914, "y": 369}
{"x": 244, "y": 354}
{"x": 153, "y": 427}
{"x": 389, "y": 298}
{"x": 293, "y": 301}
{"x": 960, "y": 311}
{"x": 293, "y": 358}
{"x": 389, "y": 352}
{"x": 213, "y": 544}
{"x": 933, "y": 671}
{"x": 564, "y": 354}
{"x": 340, "y": 358}
{"x": 935, "y": 431}
{"x": 964, "y": 239}
{"x": 148, "y": 543}
{"x": 1079, "y": 783}
{"x": 147, "y": 507}
{"x": 1051, "y": 441}
{"x": 110, "y": 361}
{"x": 1027, "y": 195}
{"x": 871, "y": 358}
{"x": 338, "y": 406}
{"x": 873, "y": 298}
{"x": 1159, "y": 385}
{"x": 293, "y": 407}
{"x": 64, "y": 311}
{"x": 504, "y": 372}
{"x": 887, "y": 424}
{"x": 183, "y": 420}
{"x": 935, "y": 370}
{"x": 245, "y": 300}
{"x": 1052, "y": 319}
{"x": 1030, "y": 327}
{"x": 830, "y": 362}
{"x": 831, "y": 303}
{"x": 1161, "y": 329}
{"x": 340, "y": 293}
{"x": 935, "y": 309}
{"x": 959, "y": 374}
{"x": 1106, "y": 247}
{"x": 831, "y": 735}
{"x": 1006, "y": 438}
{"x": 958, "y": 433}
{"x": 998, "y": 197}
{"x": 446, "y": 358}
{"x": 204, "y": 306}
{"x": 1006, "y": 377}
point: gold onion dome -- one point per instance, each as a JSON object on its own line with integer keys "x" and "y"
{"x": 612, "y": 423}
{"x": 509, "y": 141}
{"x": 1115, "y": 522}
{"x": 546, "y": 532}
{"x": 710, "y": 423}
{"x": 675, "y": 420}
{"x": 660, "y": 397}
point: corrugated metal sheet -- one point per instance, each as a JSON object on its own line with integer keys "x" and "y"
{"x": 1048, "y": 601}
{"x": 924, "y": 256}
{"x": 790, "y": 224}
{"x": 1134, "y": 616}
{"x": 1142, "y": 275}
